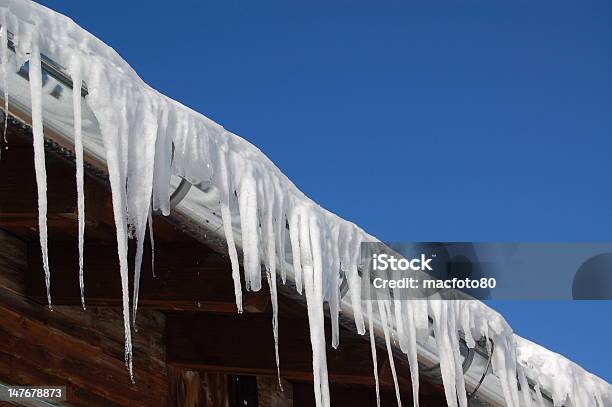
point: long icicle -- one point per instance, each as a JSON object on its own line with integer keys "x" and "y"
{"x": 412, "y": 351}
{"x": 226, "y": 218}
{"x": 152, "y": 240}
{"x": 373, "y": 349}
{"x": 140, "y": 238}
{"x": 539, "y": 397}
{"x": 112, "y": 145}
{"x": 77, "y": 81}
{"x": 385, "y": 314}
{"x": 524, "y": 386}
{"x": 5, "y": 67}
{"x": 273, "y": 290}
{"x": 317, "y": 283}
{"x": 119, "y": 212}
{"x": 247, "y": 202}
{"x": 274, "y": 294}
{"x": 35, "y": 76}
{"x": 269, "y": 242}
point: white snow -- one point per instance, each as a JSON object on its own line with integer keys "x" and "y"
{"x": 148, "y": 138}
{"x": 567, "y": 383}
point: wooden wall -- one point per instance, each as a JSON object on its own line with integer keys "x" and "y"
{"x": 80, "y": 349}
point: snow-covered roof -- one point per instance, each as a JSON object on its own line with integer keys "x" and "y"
{"x": 150, "y": 142}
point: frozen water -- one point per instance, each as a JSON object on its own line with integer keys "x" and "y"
{"x": 149, "y": 137}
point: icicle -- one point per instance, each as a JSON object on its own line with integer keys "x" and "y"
{"x": 373, "y": 349}
{"x": 75, "y": 71}
{"x": 5, "y": 68}
{"x": 162, "y": 169}
{"x": 384, "y": 310}
{"x": 294, "y": 236}
{"x": 119, "y": 208}
{"x": 311, "y": 268}
{"x": 137, "y": 268}
{"x": 334, "y": 270}
{"x": 316, "y": 279}
{"x": 226, "y": 218}
{"x": 353, "y": 280}
{"x": 35, "y": 76}
{"x": 466, "y": 323}
{"x": 524, "y": 386}
{"x": 456, "y": 353}
{"x": 420, "y": 316}
{"x": 447, "y": 338}
{"x": 354, "y": 284}
{"x": 274, "y": 295}
{"x": 504, "y": 366}
{"x": 247, "y": 201}
{"x": 280, "y": 224}
{"x": 270, "y": 252}
{"x": 399, "y": 319}
{"x": 539, "y": 397}
{"x": 97, "y": 100}
{"x": 130, "y": 114}
{"x": 139, "y": 155}
{"x": 151, "y": 238}
{"x": 406, "y": 334}
{"x": 445, "y": 353}
{"x": 411, "y": 351}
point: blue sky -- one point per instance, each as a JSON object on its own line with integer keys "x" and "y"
{"x": 435, "y": 121}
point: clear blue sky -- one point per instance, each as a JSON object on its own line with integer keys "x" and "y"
{"x": 435, "y": 121}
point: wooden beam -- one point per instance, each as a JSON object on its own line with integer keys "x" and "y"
{"x": 18, "y": 187}
{"x": 363, "y": 396}
{"x": 190, "y": 276}
{"x": 190, "y": 388}
{"x": 19, "y": 198}
{"x": 186, "y": 278}
{"x": 269, "y": 393}
{"x": 245, "y": 345}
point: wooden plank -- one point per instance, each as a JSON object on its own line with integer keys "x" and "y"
{"x": 244, "y": 345}
{"x": 227, "y": 344}
{"x": 19, "y": 200}
{"x": 20, "y": 372}
{"x": 190, "y": 276}
{"x": 18, "y": 188}
{"x": 80, "y": 349}
{"x": 190, "y": 388}
{"x": 362, "y": 396}
{"x": 186, "y": 278}
{"x": 269, "y": 393}
{"x": 18, "y": 196}
{"x": 242, "y": 391}
{"x": 13, "y": 262}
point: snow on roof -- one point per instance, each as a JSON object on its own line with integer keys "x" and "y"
{"x": 148, "y": 138}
